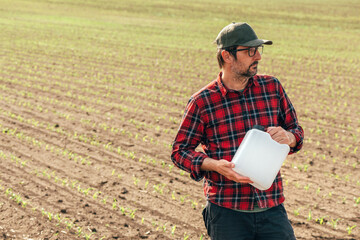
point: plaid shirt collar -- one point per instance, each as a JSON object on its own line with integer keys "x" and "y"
{"x": 224, "y": 90}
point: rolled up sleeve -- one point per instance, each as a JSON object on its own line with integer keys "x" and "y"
{"x": 189, "y": 136}
{"x": 289, "y": 120}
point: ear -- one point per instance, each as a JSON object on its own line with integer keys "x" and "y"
{"x": 227, "y": 56}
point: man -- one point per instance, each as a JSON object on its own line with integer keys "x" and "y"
{"x": 217, "y": 117}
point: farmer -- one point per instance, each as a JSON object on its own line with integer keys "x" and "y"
{"x": 217, "y": 117}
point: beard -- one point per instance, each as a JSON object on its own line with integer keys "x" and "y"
{"x": 248, "y": 73}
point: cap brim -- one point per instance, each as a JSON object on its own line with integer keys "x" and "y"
{"x": 257, "y": 42}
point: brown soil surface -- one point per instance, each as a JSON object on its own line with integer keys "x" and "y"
{"x": 73, "y": 167}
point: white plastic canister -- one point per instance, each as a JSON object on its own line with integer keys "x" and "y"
{"x": 259, "y": 157}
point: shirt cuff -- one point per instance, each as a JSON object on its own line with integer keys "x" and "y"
{"x": 196, "y": 173}
{"x": 299, "y": 142}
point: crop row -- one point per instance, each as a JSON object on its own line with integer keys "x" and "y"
{"x": 95, "y": 193}
{"x": 111, "y": 105}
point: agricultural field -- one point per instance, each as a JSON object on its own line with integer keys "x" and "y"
{"x": 92, "y": 93}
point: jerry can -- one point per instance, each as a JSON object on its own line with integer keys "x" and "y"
{"x": 259, "y": 157}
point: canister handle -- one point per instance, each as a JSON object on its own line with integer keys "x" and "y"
{"x": 258, "y": 127}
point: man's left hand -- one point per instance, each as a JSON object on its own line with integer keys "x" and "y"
{"x": 282, "y": 136}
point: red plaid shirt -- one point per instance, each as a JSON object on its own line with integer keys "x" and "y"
{"x": 218, "y": 118}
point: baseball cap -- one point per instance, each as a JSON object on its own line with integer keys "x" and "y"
{"x": 239, "y": 34}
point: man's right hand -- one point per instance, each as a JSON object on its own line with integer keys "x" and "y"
{"x": 224, "y": 168}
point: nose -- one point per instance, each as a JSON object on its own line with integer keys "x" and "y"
{"x": 257, "y": 56}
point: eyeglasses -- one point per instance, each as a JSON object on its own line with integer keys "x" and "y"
{"x": 252, "y": 50}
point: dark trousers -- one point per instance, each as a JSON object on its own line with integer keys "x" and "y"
{"x": 226, "y": 224}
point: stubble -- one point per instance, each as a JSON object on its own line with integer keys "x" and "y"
{"x": 243, "y": 76}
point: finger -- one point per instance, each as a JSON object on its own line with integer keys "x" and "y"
{"x": 278, "y": 128}
{"x": 269, "y": 129}
{"x": 276, "y": 137}
{"x": 245, "y": 181}
{"x": 275, "y": 134}
{"x": 228, "y": 164}
{"x": 272, "y": 130}
{"x": 231, "y": 164}
{"x": 242, "y": 179}
{"x": 282, "y": 139}
{"x": 279, "y": 135}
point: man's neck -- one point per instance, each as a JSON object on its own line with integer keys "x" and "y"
{"x": 232, "y": 82}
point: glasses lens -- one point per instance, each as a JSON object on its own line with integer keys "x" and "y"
{"x": 261, "y": 49}
{"x": 252, "y": 51}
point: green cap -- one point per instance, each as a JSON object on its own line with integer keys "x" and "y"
{"x": 239, "y": 34}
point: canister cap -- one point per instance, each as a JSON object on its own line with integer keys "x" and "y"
{"x": 258, "y": 127}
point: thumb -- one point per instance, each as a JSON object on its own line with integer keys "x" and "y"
{"x": 230, "y": 164}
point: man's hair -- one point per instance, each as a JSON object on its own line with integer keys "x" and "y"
{"x": 220, "y": 59}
